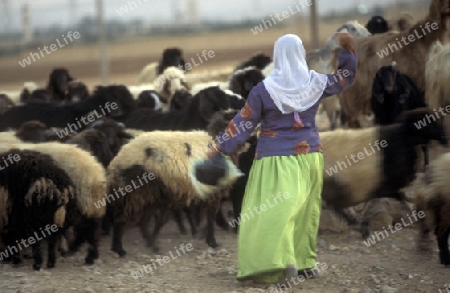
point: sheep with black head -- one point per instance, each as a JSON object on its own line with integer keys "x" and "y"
{"x": 57, "y": 84}
{"x": 36, "y": 193}
{"x": 166, "y": 154}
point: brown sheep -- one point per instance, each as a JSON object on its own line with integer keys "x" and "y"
{"x": 410, "y": 58}
{"x": 403, "y": 23}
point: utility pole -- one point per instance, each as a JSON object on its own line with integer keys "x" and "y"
{"x": 102, "y": 43}
{"x": 5, "y": 16}
{"x": 314, "y": 24}
{"x": 73, "y": 12}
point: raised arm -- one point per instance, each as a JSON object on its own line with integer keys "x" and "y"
{"x": 339, "y": 82}
{"x": 347, "y": 64}
{"x": 241, "y": 126}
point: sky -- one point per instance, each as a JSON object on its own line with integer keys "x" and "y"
{"x": 49, "y": 12}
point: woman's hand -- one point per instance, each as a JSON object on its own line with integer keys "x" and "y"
{"x": 346, "y": 42}
{"x": 212, "y": 151}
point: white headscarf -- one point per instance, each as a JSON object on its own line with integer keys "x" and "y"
{"x": 291, "y": 85}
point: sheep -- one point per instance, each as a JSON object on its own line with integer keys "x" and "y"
{"x": 14, "y": 96}
{"x": 36, "y": 192}
{"x": 243, "y": 80}
{"x": 57, "y": 84}
{"x": 195, "y": 115}
{"x": 373, "y": 52}
{"x": 116, "y": 100}
{"x": 259, "y": 61}
{"x": 170, "y": 57}
{"x": 321, "y": 61}
{"x": 166, "y": 154}
{"x": 433, "y": 199}
{"x": 437, "y": 76}
{"x": 392, "y": 93}
{"x": 88, "y": 177}
{"x": 5, "y": 102}
{"x": 32, "y": 131}
{"x": 403, "y": 23}
{"x": 58, "y": 135}
{"x": 245, "y": 162}
{"x": 217, "y": 75}
{"x": 36, "y": 96}
{"x": 166, "y": 84}
{"x": 377, "y": 25}
{"x": 240, "y": 82}
{"x": 115, "y": 132}
{"x": 148, "y": 73}
{"x": 223, "y": 85}
{"x": 149, "y": 99}
{"x": 390, "y": 164}
{"x": 93, "y": 141}
{"x": 76, "y": 91}
{"x": 180, "y": 100}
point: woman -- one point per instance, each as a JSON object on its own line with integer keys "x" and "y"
{"x": 281, "y": 206}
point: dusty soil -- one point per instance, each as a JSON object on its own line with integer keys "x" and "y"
{"x": 391, "y": 265}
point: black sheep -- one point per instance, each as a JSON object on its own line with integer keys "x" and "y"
{"x": 115, "y": 132}
{"x": 149, "y": 99}
{"x": 54, "y": 115}
{"x": 171, "y": 57}
{"x": 260, "y": 61}
{"x": 244, "y": 80}
{"x": 76, "y": 91}
{"x": 180, "y": 100}
{"x": 57, "y": 84}
{"x": 238, "y": 190}
{"x": 393, "y": 93}
{"x": 32, "y": 131}
{"x": 116, "y": 137}
{"x": 377, "y": 25}
{"x": 38, "y": 193}
{"x": 36, "y": 96}
{"x": 95, "y": 142}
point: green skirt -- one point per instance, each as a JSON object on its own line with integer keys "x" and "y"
{"x": 280, "y": 216}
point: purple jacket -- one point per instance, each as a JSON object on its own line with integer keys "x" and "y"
{"x": 283, "y": 134}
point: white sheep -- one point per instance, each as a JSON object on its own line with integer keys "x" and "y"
{"x": 166, "y": 84}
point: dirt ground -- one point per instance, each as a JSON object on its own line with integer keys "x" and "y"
{"x": 390, "y": 265}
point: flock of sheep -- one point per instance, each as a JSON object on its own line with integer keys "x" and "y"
{"x": 76, "y": 163}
